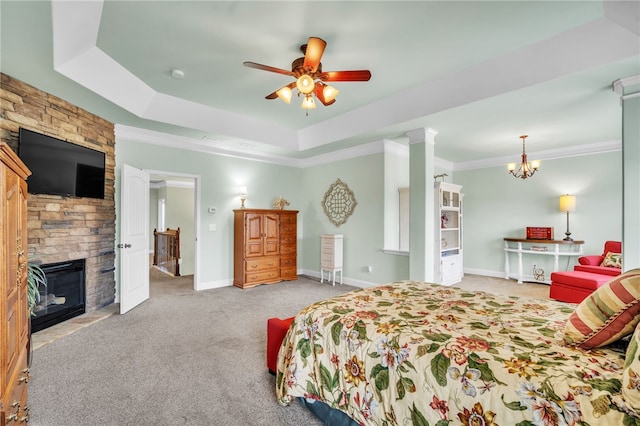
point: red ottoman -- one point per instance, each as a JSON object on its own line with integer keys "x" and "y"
{"x": 575, "y": 286}
{"x": 276, "y": 330}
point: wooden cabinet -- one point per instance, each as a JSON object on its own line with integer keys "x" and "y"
{"x": 331, "y": 255}
{"x": 448, "y": 233}
{"x": 265, "y": 246}
{"x": 14, "y": 316}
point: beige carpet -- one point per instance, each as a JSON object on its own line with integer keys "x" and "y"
{"x": 161, "y": 283}
{"x": 502, "y": 286}
{"x": 184, "y": 357}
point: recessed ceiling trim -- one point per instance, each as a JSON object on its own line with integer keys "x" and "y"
{"x": 124, "y": 132}
{"x": 89, "y": 66}
{"x": 76, "y": 55}
{"x": 549, "y": 59}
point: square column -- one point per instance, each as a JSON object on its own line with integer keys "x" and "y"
{"x": 422, "y": 199}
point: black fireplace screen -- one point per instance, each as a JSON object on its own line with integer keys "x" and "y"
{"x": 63, "y": 297}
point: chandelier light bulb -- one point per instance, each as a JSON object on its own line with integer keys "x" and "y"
{"x": 305, "y": 84}
{"x": 329, "y": 93}
{"x": 285, "y": 94}
{"x": 308, "y": 102}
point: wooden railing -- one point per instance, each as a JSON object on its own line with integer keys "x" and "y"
{"x": 166, "y": 250}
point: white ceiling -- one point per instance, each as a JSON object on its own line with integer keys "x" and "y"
{"x": 481, "y": 73}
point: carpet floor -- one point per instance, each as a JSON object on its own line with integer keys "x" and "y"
{"x": 183, "y": 357}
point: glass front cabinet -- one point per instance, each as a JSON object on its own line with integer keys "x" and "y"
{"x": 448, "y": 233}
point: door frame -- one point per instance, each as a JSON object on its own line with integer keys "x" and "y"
{"x": 196, "y": 217}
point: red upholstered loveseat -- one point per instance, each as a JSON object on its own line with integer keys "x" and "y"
{"x": 592, "y": 263}
{"x": 586, "y": 277}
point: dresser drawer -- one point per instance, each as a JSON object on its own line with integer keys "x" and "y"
{"x": 327, "y": 262}
{"x": 288, "y": 218}
{"x": 261, "y": 264}
{"x": 263, "y": 277}
{"x": 288, "y": 238}
{"x": 289, "y": 273}
{"x": 286, "y": 249}
{"x": 327, "y": 249}
{"x": 288, "y": 228}
{"x": 288, "y": 261}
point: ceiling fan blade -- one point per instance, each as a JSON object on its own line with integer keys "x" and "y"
{"x": 319, "y": 92}
{"x": 274, "y": 95}
{"x": 353, "y": 75}
{"x": 315, "y": 49}
{"x": 267, "y": 68}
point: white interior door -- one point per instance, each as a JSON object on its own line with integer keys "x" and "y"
{"x": 134, "y": 238}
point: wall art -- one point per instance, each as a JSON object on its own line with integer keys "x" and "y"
{"x": 338, "y": 202}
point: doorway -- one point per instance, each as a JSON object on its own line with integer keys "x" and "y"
{"x": 173, "y": 203}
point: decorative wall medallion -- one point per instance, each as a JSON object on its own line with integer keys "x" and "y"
{"x": 338, "y": 202}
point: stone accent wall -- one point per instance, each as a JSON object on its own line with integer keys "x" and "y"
{"x": 65, "y": 228}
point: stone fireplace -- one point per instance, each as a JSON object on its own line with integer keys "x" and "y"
{"x": 63, "y": 229}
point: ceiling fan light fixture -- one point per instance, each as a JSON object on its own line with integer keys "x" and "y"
{"x": 329, "y": 93}
{"x": 305, "y": 84}
{"x": 308, "y": 102}
{"x": 285, "y": 94}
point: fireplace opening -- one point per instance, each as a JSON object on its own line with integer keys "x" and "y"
{"x": 63, "y": 297}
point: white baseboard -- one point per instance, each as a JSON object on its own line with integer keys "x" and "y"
{"x": 345, "y": 280}
{"x": 484, "y": 272}
{"x": 214, "y": 284}
{"x": 500, "y": 274}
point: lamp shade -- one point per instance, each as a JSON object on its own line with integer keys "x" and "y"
{"x": 329, "y": 93}
{"x": 305, "y": 84}
{"x": 568, "y": 203}
{"x": 243, "y": 190}
{"x": 308, "y": 103}
{"x": 285, "y": 94}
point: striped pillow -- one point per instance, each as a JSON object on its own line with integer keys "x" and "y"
{"x": 608, "y": 314}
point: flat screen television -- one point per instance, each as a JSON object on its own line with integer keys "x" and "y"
{"x": 61, "y": 168}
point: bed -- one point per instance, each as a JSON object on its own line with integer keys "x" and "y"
{"x": 424, "y": 354}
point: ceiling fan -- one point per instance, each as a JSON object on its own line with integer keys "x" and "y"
{"x": 310, "y": 79}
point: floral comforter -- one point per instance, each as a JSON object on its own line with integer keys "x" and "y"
{"x": 424, "y": 354}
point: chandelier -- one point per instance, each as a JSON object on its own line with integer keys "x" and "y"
{"x": 525, "y": 169}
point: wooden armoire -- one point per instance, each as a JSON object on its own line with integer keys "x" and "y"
{"x": 265, "y": 246}
{"x": 14, "y": 315}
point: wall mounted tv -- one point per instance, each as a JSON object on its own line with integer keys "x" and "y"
{"x": 61, "y": 168}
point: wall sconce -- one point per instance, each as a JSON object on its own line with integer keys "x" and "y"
{"x": 567, "y": 204}
{"x": 243, "y": 196}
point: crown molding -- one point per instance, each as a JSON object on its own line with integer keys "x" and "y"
{"x": 619, "y": 85}
{"x": 198, "y": 145}
{"x": 550, "y": 154}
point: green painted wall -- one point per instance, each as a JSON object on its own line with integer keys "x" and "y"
{"x": 496, "y": 205}
{"x": 364, "y": 230}
{"x": 220, "y": 179}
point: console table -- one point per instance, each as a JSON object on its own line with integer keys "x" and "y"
{"x": 555, "y": 248}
